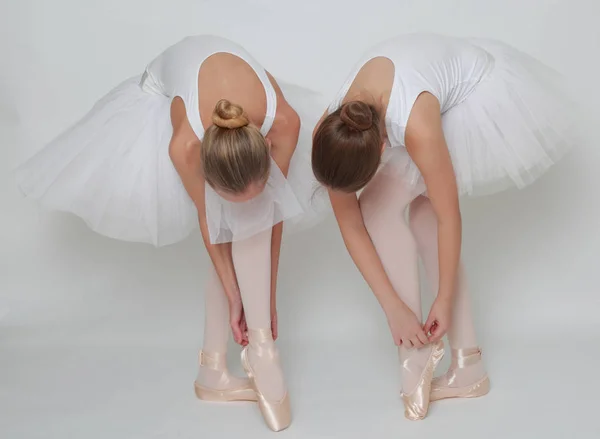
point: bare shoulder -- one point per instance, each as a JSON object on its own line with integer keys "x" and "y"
{"x": 184, "y": 147}
{"x": 285, "y": 130}
{"x": 425, "y": 117}
{"x": 380, "y": 66}
{"x": 287, "y": 120}
{"x": 376, "y": 76}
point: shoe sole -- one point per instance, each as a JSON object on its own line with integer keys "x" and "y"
{"x": 212, "y": 395}
{"x": 480, "y": 388}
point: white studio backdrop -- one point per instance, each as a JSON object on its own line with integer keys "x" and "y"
{"x": 531, "y": 255}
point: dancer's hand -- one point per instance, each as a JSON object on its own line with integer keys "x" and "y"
{"x": 237, "y": 321}
{"x": 440, "y": 317}
{"x": 405, "y": 326}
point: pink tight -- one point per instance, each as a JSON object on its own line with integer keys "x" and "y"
{"x": 252, "y": 262}
{"x": 399, "y": 244}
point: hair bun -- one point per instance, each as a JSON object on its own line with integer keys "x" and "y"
{"x": 228, "y": 115}
{"x": 357, "y": 115}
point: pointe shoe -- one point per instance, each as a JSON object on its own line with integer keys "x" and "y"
{"x": 225, "y": 393}
{"x": 277, "y": 414}
{"x": 416, "y": 403}
{"x": 441, "y": 388}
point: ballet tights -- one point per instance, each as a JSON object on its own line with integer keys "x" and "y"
{"x": 383, "y": 204}
{"x": 216, "y": 337}
{"x": 461, "y": 334}
{"x": 252, "y": 262}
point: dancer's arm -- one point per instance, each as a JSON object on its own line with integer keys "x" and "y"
{"x": 283, "y": 137}
{"x": 403, "y": 323}
{"x": 220, "y": 254}
{"x": 427, "y": 147}
{"x": 184, "y": 151}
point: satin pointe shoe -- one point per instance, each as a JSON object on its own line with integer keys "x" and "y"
{"x": 416, "y": 403}
{"x": 224, "y": 390}
{"x": 449, "y": 386}
{"x": 277, "y": 414}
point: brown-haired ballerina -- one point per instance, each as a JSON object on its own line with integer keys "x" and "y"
{"x": 421, "y": 120}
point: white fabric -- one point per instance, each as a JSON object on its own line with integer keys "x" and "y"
{"x": 112, "y": 168}
{"x": 228, "y": 221}
{"x": 506, "y": 117}
{"x": 313, "y": 198}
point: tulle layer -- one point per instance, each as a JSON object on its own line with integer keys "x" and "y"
{"x": 113, "y": 169}
{"x": 313, "y": 197}
{"x": 518, "y": 122}
{"x": 228, "y": 221}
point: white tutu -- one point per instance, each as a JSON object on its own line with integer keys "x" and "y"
{"x": 518, "y": 121}
{"x": 113, "y": 169}
{"x": 312, "y": 196}
{"x": 229, "y": 221}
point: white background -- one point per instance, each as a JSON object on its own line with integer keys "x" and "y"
{"x": 99, "y": 337}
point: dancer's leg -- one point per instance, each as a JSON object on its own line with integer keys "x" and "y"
{"x": 252, "y": 261}
{"x": 383, "y": 205}
{"x": 214, "y": 374}
{"x": 216, "y": 321}
{"x": 461, "y": 334}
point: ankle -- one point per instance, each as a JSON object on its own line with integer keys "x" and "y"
{"x": 472, "y": 351}
{"x": 466, "y": 368}
{"x": 213, "y": 360}
{"x": 261, "y": 342}
{"x": 464, "y": 357}
{"x": 260, "y": 336}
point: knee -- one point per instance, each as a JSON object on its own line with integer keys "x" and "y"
{"x": 420, "y": 212}
{"x": 386, "y": 198}
{"x": 382, "y": 214}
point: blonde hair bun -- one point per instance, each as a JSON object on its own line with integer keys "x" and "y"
{"x": 228, "y": 115}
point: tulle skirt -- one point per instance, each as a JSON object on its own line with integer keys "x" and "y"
{"x": 312, "y": 196}
{"x": 518, "y": 122}
{"x": 113, "y": 169}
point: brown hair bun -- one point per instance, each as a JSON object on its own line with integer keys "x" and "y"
{"x": 357, "y": 115}
{"x": 347, "y": 145}
{"x": 228, "y": 115}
